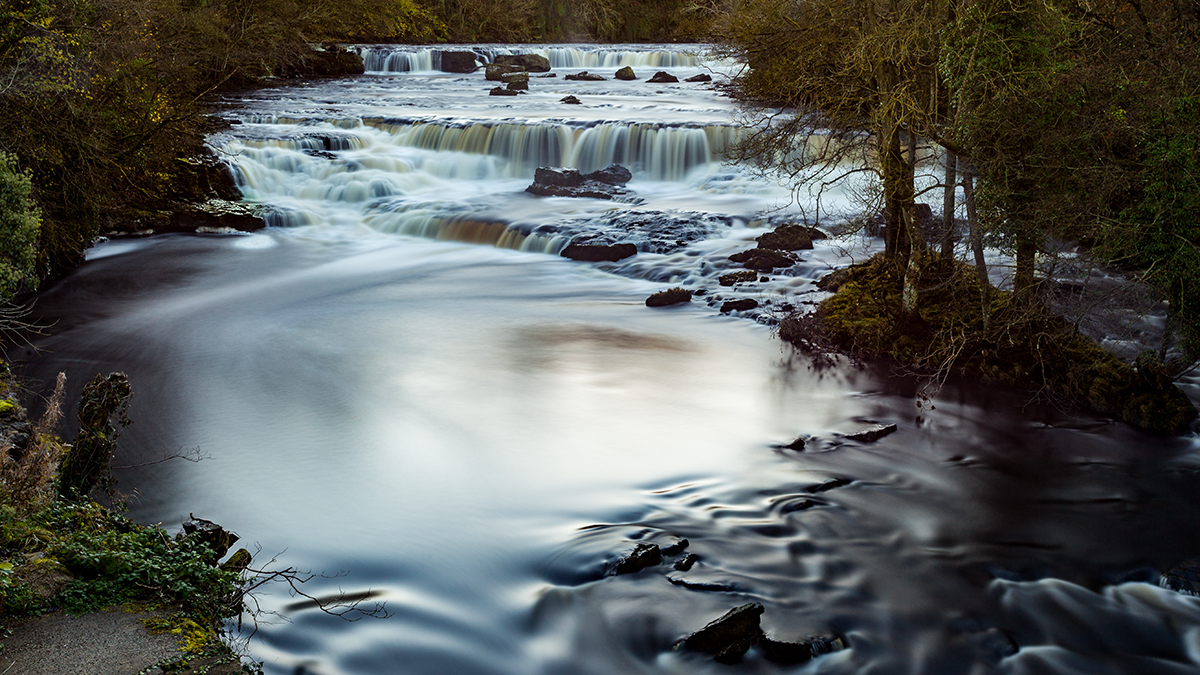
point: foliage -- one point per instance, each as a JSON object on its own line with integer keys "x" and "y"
{"x": 20, "y": 220}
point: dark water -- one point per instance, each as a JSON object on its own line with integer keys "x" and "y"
{"x": 475, "y": 434}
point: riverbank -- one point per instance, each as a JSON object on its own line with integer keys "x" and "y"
{"x": 963, "y": 327}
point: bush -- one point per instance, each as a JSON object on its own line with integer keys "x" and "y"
{"x": 20, "y": 221}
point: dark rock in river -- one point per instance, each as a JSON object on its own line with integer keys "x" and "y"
{"x": 570, "y": 100}
{"x": 653, "y": 231}
{"x": 324, "y": 61}
{"x": 496, "y": 71}
{"x": 516, "y": 81}
{"x": 642, "y": 556}
{"x": 625, "y": 73}
{"x": 456, "y": 61}
{"x": 669, "y": 297}
{"x": 662, "y": 77}
{"x": 218, "y": 538}
{"x": 584, "y": 76}
{"x": 790, "y": 238}
{"x": 830, "y": 484}
{"x": 729, "y": 636}
{"x": 797, "y": 444}
{"x": 737, "y": 277}
{"x": 599, "y": 253}
{"x": 502, "y": 91}
{"x": 238, "y": 561}
{"x": 763, "y": 259}
{"x": 871, "y": 434}
{"x": 676, "y": 548}
{"x": 215, "y": 216}
{"x": 738, "y": 305}
{"x": 792, "y": 653}
{"x": 1184, "y": 578}
{"x": 686, "y": 562}
{"x": 702, "y": 77}
{"x": 534, "y": 63}
{"x": 560, "y": 182}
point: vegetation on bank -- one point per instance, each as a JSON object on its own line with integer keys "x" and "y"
{"x": 59, "y": 549}
{"x": 1019, "y": 344}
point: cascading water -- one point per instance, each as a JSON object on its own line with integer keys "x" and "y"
{"x": 401, "y": 383}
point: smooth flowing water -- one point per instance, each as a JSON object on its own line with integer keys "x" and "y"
{"x": 403, "y": 387}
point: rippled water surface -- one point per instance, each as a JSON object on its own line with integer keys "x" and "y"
{"x": 403, "y": 384}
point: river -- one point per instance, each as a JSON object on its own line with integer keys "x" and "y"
{"x": 401, "y": 386}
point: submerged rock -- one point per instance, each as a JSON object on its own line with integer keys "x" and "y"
{"x": 669, "y": 297}
{"x": 642, "y": 556}
{"x": 534, "y": 63}
{"x": 763, "y": 260}
{"x": 737, "y": 277}
{"x": 792, "y": 653}
{"x": 625, "y": 73}
{"x": 584, "y": 76}
{"x": 676, "y": 548}
{"x": 831, "y": 484}
{"x": 871, "y": 434}
{"x": 729, "y": 637}
{"x": 686, "y": 562}
{"x": 599, "y": 252}
{"x": 738, "y": 305}
{"x": 702, "y": 77}
{"x": 662, "y": 77}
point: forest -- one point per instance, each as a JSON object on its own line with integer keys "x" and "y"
{"x": 1060, "y": 121}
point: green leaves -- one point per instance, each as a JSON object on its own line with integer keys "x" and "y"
{"x": 20, "y": 221}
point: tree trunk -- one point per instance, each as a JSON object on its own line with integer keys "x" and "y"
{"x": 976, "y": 235}
{"x": 1024, "y": 283}
{"x": 948, "y": 207}
{"x": 893, "y": 171}
{"x": 916, "y": 239}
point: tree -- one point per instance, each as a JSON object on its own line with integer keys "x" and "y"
{"x": 20, "y": 221}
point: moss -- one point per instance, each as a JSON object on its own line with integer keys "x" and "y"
{"x": 1020, "y": 345}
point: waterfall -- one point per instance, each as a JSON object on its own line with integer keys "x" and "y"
{"x": 399, "y": 59}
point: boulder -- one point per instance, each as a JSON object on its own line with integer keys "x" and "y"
{"x": 730, "y": 636}
{"x": 215, "y": 215}
{"x": 675, "y": 549}
{"x": 738, "y": 305}
{"x": 559, "y": 182}
{"x": 542, "y": 77}
{"x": 763, "y": 260}
{"x": 584, "y": 76}
{"x": 737, "y": 277}
{"x": 534, "y": 63}
{"x": 642, "y": 556}
{"x": 662, "y": 77}
{"x": 599, "y": 252}
{"x": 790, "y": 237}
{"x": 238, "y": 561}
{"x": 793, "y": 653}
{"x": 517, "y": 81}
{"x": 702, "y": 77}
{"x": 495, "y": 71}
{"x": 502, "y": 91}
{"x": 570, "y": 100}
{"x": 669, "y": 297}
{"x": 625, "y": 73}
{"x": 686, "y": 562}
{"x": 456, "y": 61}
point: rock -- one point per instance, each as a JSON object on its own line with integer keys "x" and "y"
{"x": 218, "y": 538}
{"x": 797, "y": 444}
{"x": 792, "y": 653}
{"x": 871, "y": 434}
{"x": 830, "y": 283}
{"x": 534, "y": 63}
{"x": 456, "y": 61}
{"x": 502, "y": 91}
{"x": 738, "y": 305}
{"x": 662, "y": 77}
{"x": 654, "y": 231}
{"x": 561, "y": 182}
{"x": 798, "y": 505}
{"x": 495, "y": 71}
{"x": 702, "y": 77}
{"x": 323, "y": 61}
{"x": 642, "y": 556}
{"x": 676, "y": 548}
{"x": 238, "y": 561}
{"x": 790, "y": 238}
{"x": 516, "y": 81}
{"x": 584, "y": 76}
{"x": 1183, "y": 578}
{"x": 686, "y": 562}
{"x": 570, "y": 100}
{"x": 599, "y": 252}
{"x": 763, "y": 259}
{"x": 215, "y": 215}
{"x": 666, "y": 298}
{"x": 737, "y": 630}
{"x": 625, "y": 73}
{"x": 613, "y": 174}
{"x": 737, "y": 277}
{"x": 830, "y": 484}
{"x": 825, "y": 644}
{"x": 540, "y": 77}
